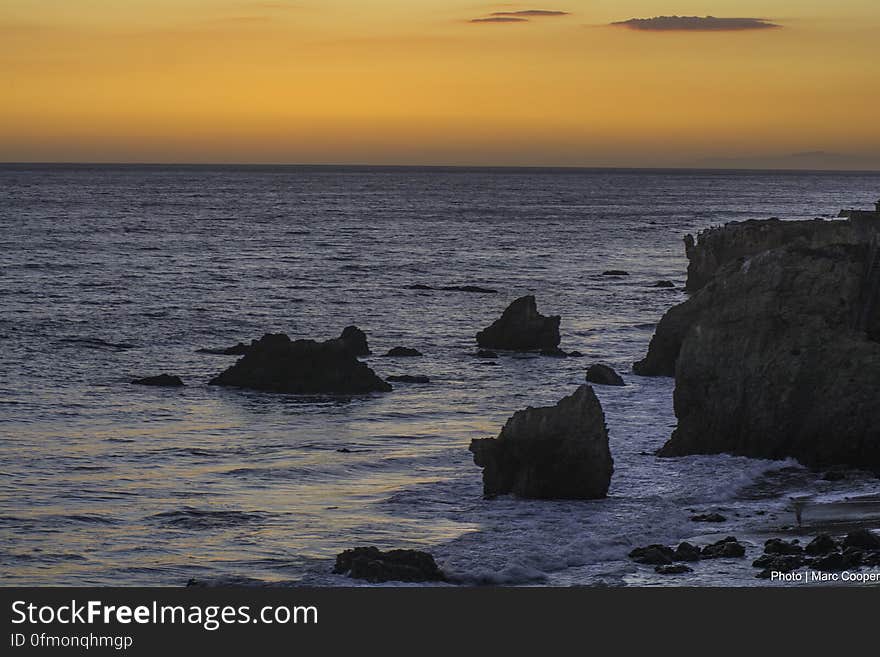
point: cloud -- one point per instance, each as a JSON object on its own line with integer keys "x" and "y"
{"x": 499, "y": 19}
{"x": 695, "y": 24}
{"x": 530, "y": 12}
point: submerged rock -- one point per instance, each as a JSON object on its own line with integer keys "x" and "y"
{"x": 615, "y": 272}
{"x": 162, "y": 380}
{"x": 374, "y": 565}
{"x": 485, "y": 353}
{"x": 708, "y": 517}
{"x": 471, "y": 289}
{"x": 403, "y": 352}
{"x": 521, "y": 328}
{"x": 553, "y": 452}
{"x": 664, "y": 284}
{"x": 604, "y": 375}
{"x": 239, "y": 349}
{"x": 674, "y": 569}
{"x": 276, "y": 364}
{"x": 408, "y": 378}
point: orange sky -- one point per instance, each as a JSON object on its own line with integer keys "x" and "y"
{"x": 415, "y": 82}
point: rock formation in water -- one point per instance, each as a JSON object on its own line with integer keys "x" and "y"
{"x": 521, "y": 328}
{"x": 408, "y": 378}
{"x": 557, "y": 452}
{"x": 373, "y": 565}
{"x": 239, "y": 349}
{"x": 777, "y": 355}
{"x": 274, "y": 363}
{"x": 355, "y": 341}
{"x": 403, "y": 352}
{"x": 604, "y": 375}
{"x": 162, "y": 380}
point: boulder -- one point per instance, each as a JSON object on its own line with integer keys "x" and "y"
{"x": 403, "y": 352}
{"x": 780, "y": 546}
{"x": 686, "y": 552}
{"x": 276, "y": 364}
{"x": 556, "y": 452}
{"x": 374, "y": 565}
{"x": 521, "y": 328}
{"x": 822, "y": 544}
{"x": 653, "y": 555}
{"x": 863, "y": 539}
{"x": 708, "y": 517}
{"x": 604, "y": 375}
{"x": 408, "y": 378}
{"x": 162, "y": 380}
{"x": 354, "y": 340}
{"x": 728, "y": 548}
{"x": 773, "y": 363}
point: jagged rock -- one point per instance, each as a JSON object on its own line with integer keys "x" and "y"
{"x": 822, "y": 544}
{"x": 604, "y": 375}
{"x": 374, "y": 565}
{"x": 549, "y": 453}
{"x": 863, "y": 539}
{"x": 615, "y": 272}
{"x": 779, "y": 546}
{"x": 408, "y": 378}
{"x": 686, "y": 552}
{"x": 674, "y": 569}
{"x": 708, "y": 517}
{"x": 355, "y": 340}
{"x": 162, "y": 380}
{"x": 727, "y": 548}
{"x": 715, "y": 247}
{"x": 239, "y": 349}
{"x": 521, "y": 328}
{"x": 653, "y": 555}
{"x": 403, "y": 352}
{"x": 276, "y": 364}
{"x": 771, "y": 364}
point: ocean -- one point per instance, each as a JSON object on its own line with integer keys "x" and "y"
{"x": 110, "y": 273}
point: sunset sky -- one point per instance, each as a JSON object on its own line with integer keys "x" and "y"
{"x": 790, "y": 84}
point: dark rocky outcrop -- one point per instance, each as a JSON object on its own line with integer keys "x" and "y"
{"x": 715, "y": 247}
{"x": 239, "y": 349}
{"x": 471, "y": 289}
{"x": 615, "y": 272}
{"x": 374, "y": 565}
{"x": 779, "y": 546}
{"x": 686, "y": 552}
{"x": 863, "y": 539}
{"x": 354, "y": 340}
{"x": 708, "y": 517}
{"x": 408, "y": 378}
{"x": 822, "y": 544}
{"x": 521, "y": 328}
{"x": 772, "y": 365}
{"x": 727, "y": 548}
{"x": 553, "y": 452}
{"x": 276, "y": 364}
{"x": 664, "y": 284}
{"x": 162, "y": 380}
{"x": 653, "y": 555}
{"x": 604, "y": 375}
{"x": 403, "y": 352}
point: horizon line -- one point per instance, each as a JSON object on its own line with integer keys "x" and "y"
{"x": 572, "y": 167}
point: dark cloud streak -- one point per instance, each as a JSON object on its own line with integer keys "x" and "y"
{"x": 531, "y": 12}
{"x": 695, "y": 24}
{"x": 499, "y": 19}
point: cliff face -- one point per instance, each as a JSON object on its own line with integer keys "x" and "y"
{"x": 716, "y": 247}
{"x": 775, "y": 364}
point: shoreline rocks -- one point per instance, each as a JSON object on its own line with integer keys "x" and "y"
{"x": 403, "y": 352}
{"x": 556, "y": 452}
{"x": 604, "y": 375}
{"x": 275, "y": 363}
{"x": 522, "y": 328}
{"x": 375, "y": 566}
{"x": 162, "y": 380}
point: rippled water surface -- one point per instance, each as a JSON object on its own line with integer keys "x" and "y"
{"x": 112, "y": 273}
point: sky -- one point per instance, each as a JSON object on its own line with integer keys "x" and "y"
{"x": 727, "y": 83}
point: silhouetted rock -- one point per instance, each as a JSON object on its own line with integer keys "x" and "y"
{"x": 615, "y": 272}
{"x": 403, "y": 352}
{"x": 521, "y": 328}
{"x": 686, "y": 552}
{"x": 552, "y": 452}
{"x": 709, "y": 517}
{"x": 575, "y": 354}
{"x": 276, "y": 364}
{"x": 355, "y": 340}
{"x": 822, "y": 544}
{"x": 779, "y": 546}
{"x": 653, "y": 555}
{"x": 374, "y": 565}
{"x": 604, "y": 375}
{"x": 832, "y": 562}
{"x": 239, "y": 349}
{"x": 674, "y": 569}
{"x": 727, "y": 548}
{"x": 471, "y": 289}
{"x": 408, "y": 378}
{"x": 162, "y": 380}
{"x": 664, "y": 284}
{"x": 485, "y": 353}
{"x": 863, "y": 539}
